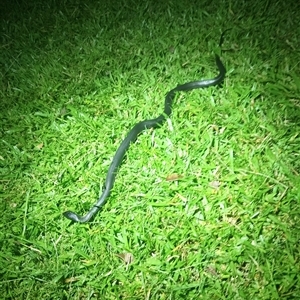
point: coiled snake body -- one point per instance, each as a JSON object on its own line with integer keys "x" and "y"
{"x": 137, "y": 129}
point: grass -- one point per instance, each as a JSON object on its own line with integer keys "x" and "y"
{"x": 75, "y": 78}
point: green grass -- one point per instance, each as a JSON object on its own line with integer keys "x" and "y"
{"x": 76, "y": 76}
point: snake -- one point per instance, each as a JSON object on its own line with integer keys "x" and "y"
{"x": 137, "y": 129}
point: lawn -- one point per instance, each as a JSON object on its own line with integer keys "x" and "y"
{"x": 204, "y": 207}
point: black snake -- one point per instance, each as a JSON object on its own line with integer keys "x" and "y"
{"x": 137, "y": 129}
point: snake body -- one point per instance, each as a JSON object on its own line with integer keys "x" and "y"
{"x": 137, "y": 129}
